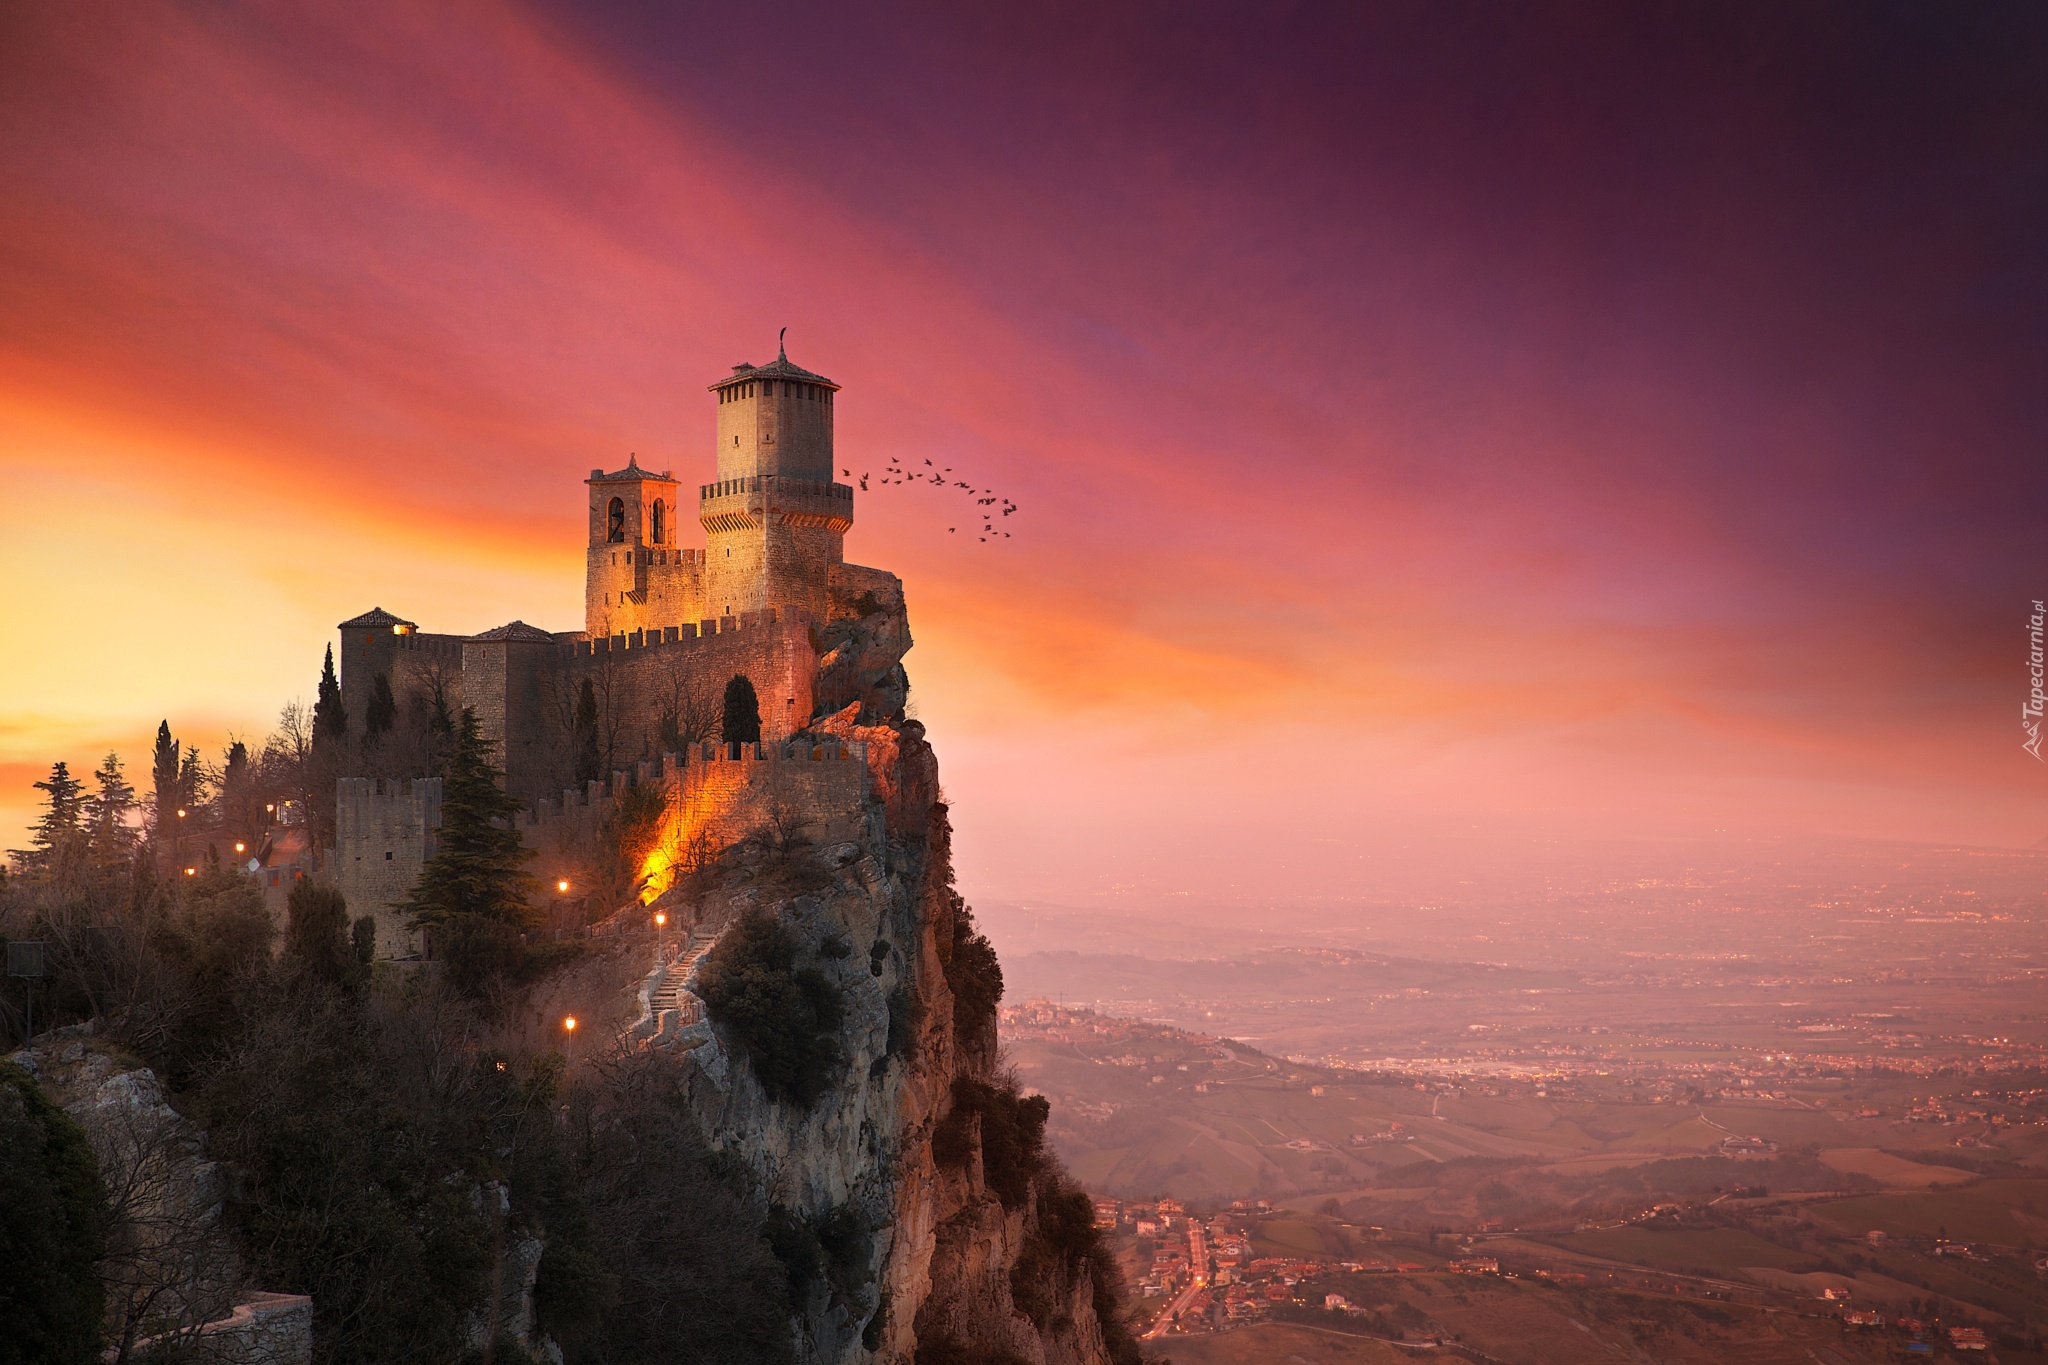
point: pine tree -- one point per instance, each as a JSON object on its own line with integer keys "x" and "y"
{"x": 742, "y": 712}
{"x": 57, "y": 839}
{"x": 109, "y": 837}
{"x": 476, "y": 870}
{"x": 163, "y": 775}
{"x": 382, "y": 712}
{"x": 589, "y": 759}
{"x": 330, "y": 717}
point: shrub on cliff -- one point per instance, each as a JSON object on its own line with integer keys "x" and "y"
{"x": 787, "y": 1019}
{"x": 976, "y": 978}
{"x": 1012, "y": 1135}
{"x": 52, "y": 1231}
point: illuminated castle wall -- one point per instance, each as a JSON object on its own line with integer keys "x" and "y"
{"x": 662, "y": 621}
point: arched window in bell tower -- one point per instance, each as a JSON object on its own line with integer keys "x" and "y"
{"x": 615, "y": 522}
{"x": 656, "y": 523}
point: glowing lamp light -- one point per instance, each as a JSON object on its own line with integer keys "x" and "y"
{"x": 562, "y": 885}
{"x": 660, "y": 920}
{"x": 191, "y": 871}
{"x": 181, "y": 815}
{"x": 241, "y": 848}
{"x": 570, "y": 1023}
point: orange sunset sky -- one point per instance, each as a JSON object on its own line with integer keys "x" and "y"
{"x": 1559, "y": 424}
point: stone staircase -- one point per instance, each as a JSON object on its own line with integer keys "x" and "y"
{"x": 670, "y": 995}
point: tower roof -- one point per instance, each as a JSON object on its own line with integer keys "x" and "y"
{"x": 515, "y": 630}
{"x": 631, "y": 473}
{"x": 778, "y": 368}
{"x": 376, "y": 618}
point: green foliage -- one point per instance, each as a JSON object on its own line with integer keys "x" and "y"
{"x": 110, "y": 840}
{"x": 382, "y": 711}
{"x": 742, "y": 714}
{"x": 976, "y": 978}
{"x": 216, "y": 944}
{"x": 316, "y": 936}
{"x": 906, "y": 1013}
{"x": 163, "y": 777}
{"x": 834, "y": 1246}
{"x": 787, "y": 1019}
{"x": 356, "y": 1133}
{"x": 52, "y": 1231}
{"x": 795, "y": 1243}
{"x": 654, "y": 1253}
{"x": 57, "y": 838}
{"x": 362, "y": 942}
{"x": 1012, "y": 1135}
{"x": 472, "y": 894}
{"x": 330, "y": 717}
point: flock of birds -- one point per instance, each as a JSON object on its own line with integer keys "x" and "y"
{"x": 988, "y": 504}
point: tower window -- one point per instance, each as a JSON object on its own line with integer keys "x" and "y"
{"x": 615, "y": 522}
{"x": 655, "y": 519}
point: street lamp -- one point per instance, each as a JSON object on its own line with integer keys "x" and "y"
{"x": 660, "y": 923}
{"x": 569, "y": 1028}
{"x": 563, "y": 886}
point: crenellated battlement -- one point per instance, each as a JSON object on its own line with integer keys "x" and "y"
{"x": 383, "y": 835}
{"x": 719, "y": 794}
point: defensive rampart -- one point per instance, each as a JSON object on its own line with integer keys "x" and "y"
{"x": 383, "y": 835}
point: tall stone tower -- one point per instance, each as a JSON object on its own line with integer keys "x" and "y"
{"x": 636, "y": 577}
{"x": 775, "y": 520}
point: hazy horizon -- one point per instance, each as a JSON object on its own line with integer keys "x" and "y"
{"x": 1617, "y": 428}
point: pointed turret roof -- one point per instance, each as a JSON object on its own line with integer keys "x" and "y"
{"x": 376, "y": 618}
{"x": 515, "y": 630}
{"x": 631, "y": 472}
{"x": 778, "y": 368}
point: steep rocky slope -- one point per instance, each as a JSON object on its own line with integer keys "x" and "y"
{"x": 944, "y": 1229}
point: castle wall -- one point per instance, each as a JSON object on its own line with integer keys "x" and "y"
{"x": 384, "y": 834}
{"x": 506, "y": 682}
{"x": 639, "y": 587}
{"x": 718, "y": 795}
{"x": 523, "y": 689}
{"x": 366, "y": 653}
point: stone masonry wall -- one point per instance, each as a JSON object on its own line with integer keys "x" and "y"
{"x": 384, "y": 834}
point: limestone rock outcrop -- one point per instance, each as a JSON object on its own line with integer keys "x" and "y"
{"x": 943, "y": 1265}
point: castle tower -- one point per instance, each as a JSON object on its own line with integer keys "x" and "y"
{"x": 635, "y": 576}
{"x": 775, "y": 520}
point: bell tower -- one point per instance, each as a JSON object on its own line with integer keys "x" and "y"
{"x": 632, "y": 559}
{"x": 775, "y": 520}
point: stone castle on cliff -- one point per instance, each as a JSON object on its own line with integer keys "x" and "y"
{"x": 666, "y": 626}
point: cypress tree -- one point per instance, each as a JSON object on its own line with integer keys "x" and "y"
{"x": 382, "y": 712}
{"x": 163, "y": 778}
{"x": 330, "y": 717}
{"x": 742, "y": 723}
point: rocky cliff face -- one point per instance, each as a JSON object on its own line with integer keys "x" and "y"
{"x": 946, "y": 1234}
